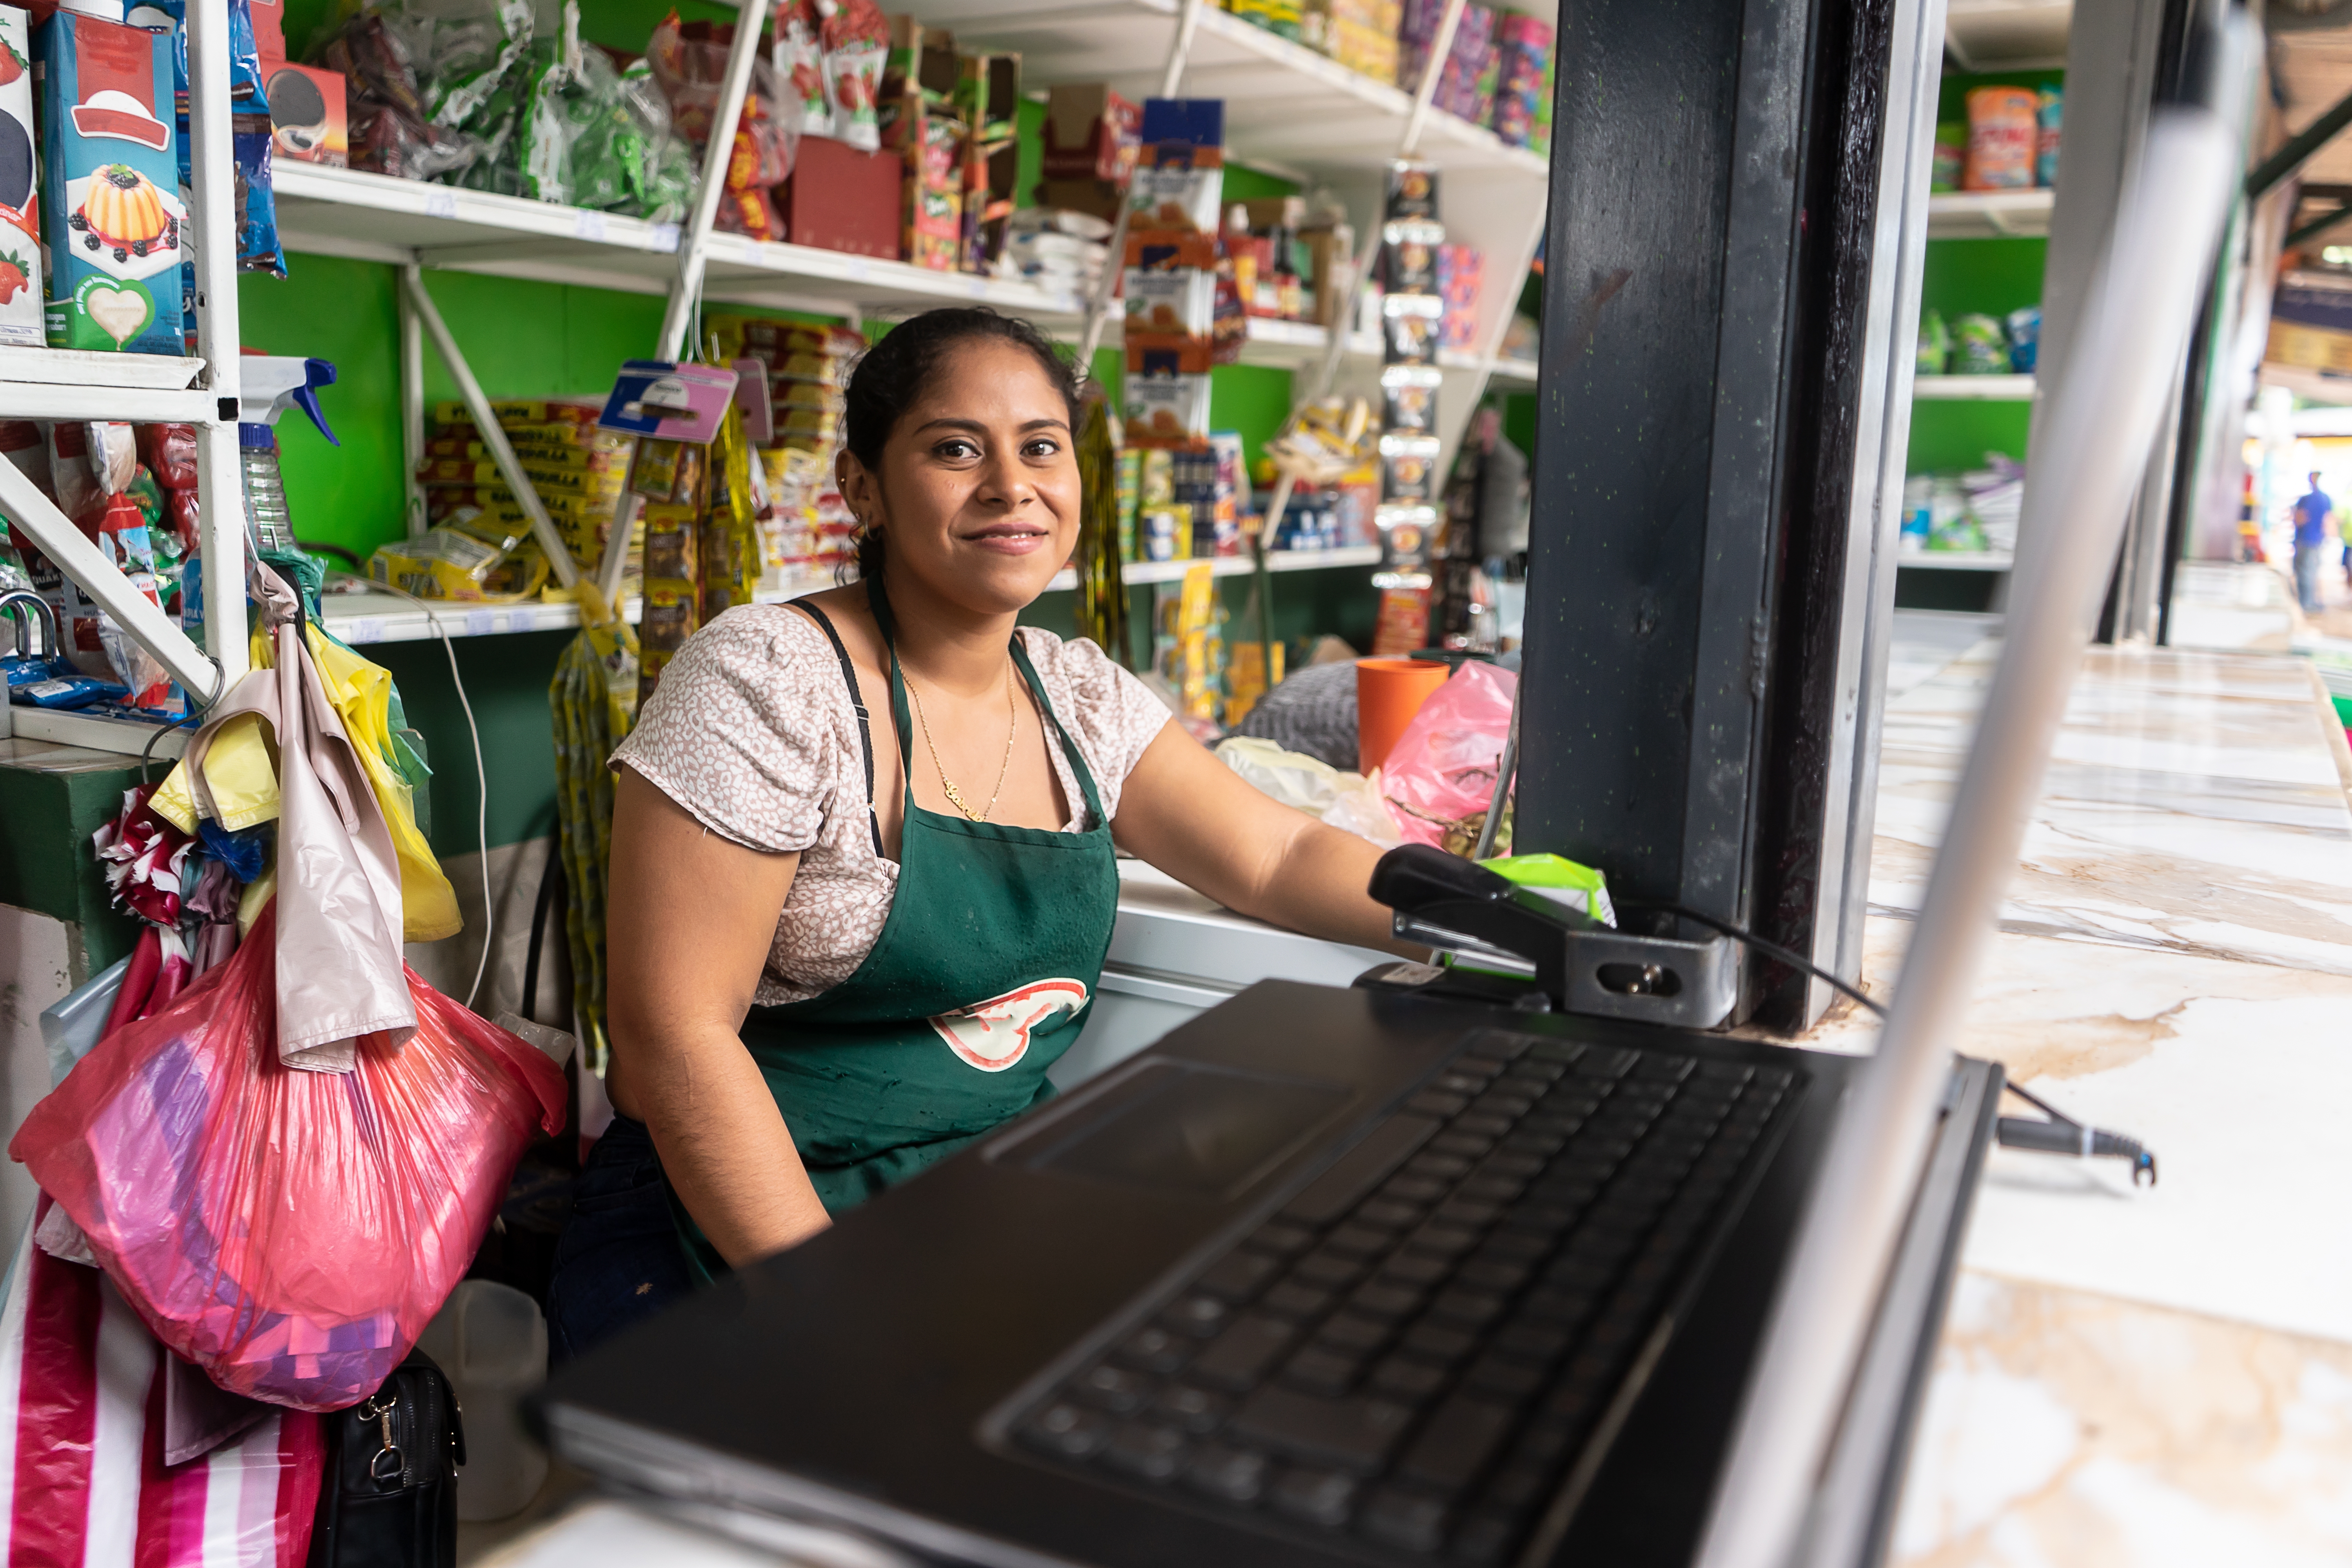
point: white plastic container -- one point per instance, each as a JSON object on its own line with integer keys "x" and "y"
{"x": 492, "y": 1343}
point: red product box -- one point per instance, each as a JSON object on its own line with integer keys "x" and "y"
{"x": 1090, "y": 134}
{"x": 841, "y": 199}
{"x": 308, "y": 119}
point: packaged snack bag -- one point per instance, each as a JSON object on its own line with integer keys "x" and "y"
{"x": 2001, "y": 137}
{"x": 2050, "y": 113}
{"x": 20, "y": 216}
{"x": 856, "y": 40}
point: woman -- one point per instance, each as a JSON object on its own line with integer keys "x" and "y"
{"x": 862, "y": 877}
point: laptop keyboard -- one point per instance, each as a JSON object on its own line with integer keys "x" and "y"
{"x": 1416, "y": 1350}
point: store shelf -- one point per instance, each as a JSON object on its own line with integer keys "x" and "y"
{"x": 1287, "y": 108}
{"x": 1952, "y": 560}
{"x": 362, "y": 618}
{"x": 1973, "y": 389}
{"x": 373, "y": 218}
{"x": 2008, "y": 35}
{"x": 124, "y": 737}
{"x": 1140, "y": 572}
{"x": 1513, "y": 372}
{"x": 76, "y": 383}
{"x": 1990, "y": 215}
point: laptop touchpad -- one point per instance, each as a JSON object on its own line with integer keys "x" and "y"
{"x": 1184, "y": 1126}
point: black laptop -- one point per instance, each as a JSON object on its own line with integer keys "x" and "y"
{"x": 1365, "y": 1276}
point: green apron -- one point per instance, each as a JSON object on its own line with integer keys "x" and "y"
{"x": 981, "y": 978}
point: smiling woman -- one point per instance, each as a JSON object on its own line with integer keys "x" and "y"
{"x": 863, "y": 874}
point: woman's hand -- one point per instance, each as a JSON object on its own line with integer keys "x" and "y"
{"x": 692, "y": 916}
{"x": 1196, "y": 819}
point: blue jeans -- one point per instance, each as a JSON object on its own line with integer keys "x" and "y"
{"x": 2306, "y": 576}
{"x": 619, "y": 1261}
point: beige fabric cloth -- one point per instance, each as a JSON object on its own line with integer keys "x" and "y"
{"x": 339, "y": 973}
{"x": 753, "y": 732}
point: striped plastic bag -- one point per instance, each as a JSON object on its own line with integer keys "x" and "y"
{"x": 82, "y": 1432}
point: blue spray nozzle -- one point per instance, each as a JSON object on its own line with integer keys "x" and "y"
{"x": 271, "y": 385}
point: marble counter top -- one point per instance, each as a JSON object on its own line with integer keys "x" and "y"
{"x": 2154, "y": 1376}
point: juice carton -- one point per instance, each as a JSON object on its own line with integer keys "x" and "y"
{"x": 109, "y": 163}
{"x": 20, "y": 216}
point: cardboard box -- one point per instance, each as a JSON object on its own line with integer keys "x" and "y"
{"x": 109, "y": 163}
{"x": 268, "y": 33}
{"x": 20, "y": 213}
{"x": 1097, "y": 198}
{"x": 1331, "y": 253}
{"x": 307, "y": 121}
{"x": 1090, "y": 134}
{"x": 988, "y": 94}
{"x": 839, "y": 198}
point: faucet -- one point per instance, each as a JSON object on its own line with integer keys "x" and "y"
{"x": 31, "y": 608}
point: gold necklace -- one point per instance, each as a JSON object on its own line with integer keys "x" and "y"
{"x": 1012, "y": 704}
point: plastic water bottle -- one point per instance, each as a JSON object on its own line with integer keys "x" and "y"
{"x": 491, "y": 1342}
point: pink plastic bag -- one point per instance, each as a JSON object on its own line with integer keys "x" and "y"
{"x": 290, "y": 1232}
{"x": 1440, "y": 776}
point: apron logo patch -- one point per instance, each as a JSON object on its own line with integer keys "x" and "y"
{"x": 993, "y": 1034}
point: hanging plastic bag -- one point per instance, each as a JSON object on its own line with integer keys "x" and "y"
{"x": 290, "y": 1232}
{"x": 91, "y": 1407}
{"x": 234, "y": 750}
{"x": 1440, "y": 773}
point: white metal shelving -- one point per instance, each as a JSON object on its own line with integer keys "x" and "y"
{"x": 1990, "y": 215}
{"x": 2008, "y": 35}
{"x": 201, "y": 390}
{"x": 1973, "y": 389}
{"x": 372, "y": 617}
{"x": 373, "y": 218}
{"x": 1953, "y": 560}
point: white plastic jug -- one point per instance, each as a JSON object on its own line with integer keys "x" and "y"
{"x": 492, "y": 1343}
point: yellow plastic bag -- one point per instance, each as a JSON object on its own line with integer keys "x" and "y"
{"x": 361, "y": 695}
{"x": 242, "y": 773}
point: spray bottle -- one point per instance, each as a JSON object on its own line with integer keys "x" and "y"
{"x": 270, "y": 386}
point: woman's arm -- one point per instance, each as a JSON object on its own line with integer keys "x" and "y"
{"x": 692, "y": 916}
{"x": 1205, "y": 826}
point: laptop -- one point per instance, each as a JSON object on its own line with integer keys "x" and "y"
{"x": 1388, "y": 1276}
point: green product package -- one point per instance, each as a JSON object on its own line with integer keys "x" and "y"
{"x": 1934, "y": 343}
{"x": 1580, "y": 887}
{"x": 1980, "y": 347}
{"x": 1951, "y": 153}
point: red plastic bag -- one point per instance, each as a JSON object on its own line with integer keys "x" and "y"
{"x": 1440, "y": 773}
{"x": 290, "y": 1232}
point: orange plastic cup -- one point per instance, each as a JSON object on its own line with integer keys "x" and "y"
{"x": 1389, "y": 692}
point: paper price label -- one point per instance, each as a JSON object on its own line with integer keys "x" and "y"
{"x": 480, "y": 622}
{"x": 440, "y": 204}
{"x": 666, "y": 237}
{"x": 588, "y": 226}
{"x": 367, "y": 628}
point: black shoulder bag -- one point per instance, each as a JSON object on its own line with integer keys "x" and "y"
{"x": 389, "y": 1498}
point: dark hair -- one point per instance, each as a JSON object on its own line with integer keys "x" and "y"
{"x": 890, "y": 375}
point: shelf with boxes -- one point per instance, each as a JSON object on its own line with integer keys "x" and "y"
{"x": 372, "y": 218}
{"x": 359, "y": 619}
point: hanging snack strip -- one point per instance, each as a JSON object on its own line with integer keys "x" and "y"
{"x": 1411, "y": 318}
{"x": 1170, "y": 276}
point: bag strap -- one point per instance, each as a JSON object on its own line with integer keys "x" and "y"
{"x": 857, "y": 702}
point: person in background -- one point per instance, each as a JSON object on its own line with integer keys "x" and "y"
{"x": 2312, "y": 514}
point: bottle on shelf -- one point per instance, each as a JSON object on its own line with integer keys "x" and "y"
{"x": 271, "y": 386}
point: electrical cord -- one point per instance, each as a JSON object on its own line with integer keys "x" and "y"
{"x": 481, "y": 777}
{"x": 2061, "y": 1134}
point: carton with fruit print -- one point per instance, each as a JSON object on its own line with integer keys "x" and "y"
{"x": 20, "y": 213}
{"x": 110, "y": 169}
